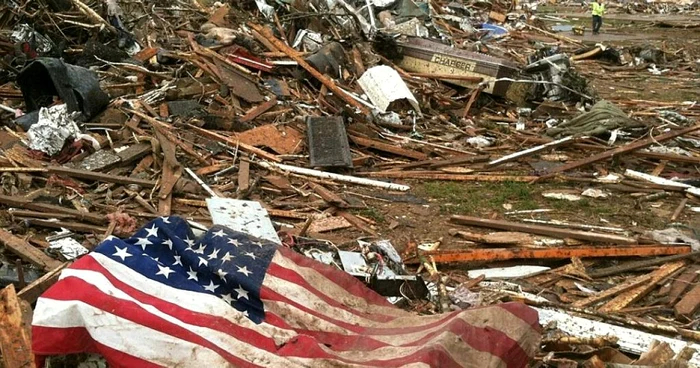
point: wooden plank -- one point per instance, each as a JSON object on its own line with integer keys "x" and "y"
{"x": 253, "y": 113}
{"x": 627, "y": 298}
{"x": 287, "y": 214}
{"x": 357, "y": 222}
{"x": 20, "y": 202}
{"x": 689, "y": 304}
{"x": 75, "y": 226}
{"x": 386, "y": 147}
{"x": 243, "y": 176}
{"x": 630, "y": 147}
{"x": 101, "y": 177}
{"x": 504, "y": 254}
{"x": 27, "y": 251}
{"x": 629, "y": 284}
{"x": 269, "y": 36}
{"x": 682, "y": 283}
{"x": 542, "y": 230}
{"x": 15, "y": 337}
{"x": 455, "y": 161}
{"x": 31, "y": 292}
{"x": 328, "y": 196}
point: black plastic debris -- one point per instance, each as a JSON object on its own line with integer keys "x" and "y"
{"x": 328, "y": 142}
{"x": 330, "y": 59}
{"x": 79, "y": 88}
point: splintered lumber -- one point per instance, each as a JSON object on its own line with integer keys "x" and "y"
{"x": 532, "y": 151}
{"x": 595, "y": 298}
{"x": 97, "y": 176}
{"x": 542, "y": 230}
{"x": 31, "y": 292}
{"x": 682, "y": 283}
{"x": 235, "y": 142}
{"x": 27, "y": 251}
{"x": 432, "y": 175}
{"x": 631, "y": 266}
{"x": 328, "y": 196}
{"x": 258, "y": 110}
{"x": 243, "y": 176}
{"x": 15, "y": 338}
{"x": 332, "y": 176}
{"x": 386, "y": 147}
{"x": 661, "y": 181}
{"x": 267, "y": 34}
{"x": 689, "y": 304}
{"x": 20, "y": 202}
{"x": 503, "y": 254}
{"x": 625, "y": 299}
{"x": 630, "y": 147}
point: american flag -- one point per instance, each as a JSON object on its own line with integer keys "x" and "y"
{"x": 164, "y": 298}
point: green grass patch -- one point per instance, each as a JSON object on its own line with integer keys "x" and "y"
{"x": 477, "y": 198}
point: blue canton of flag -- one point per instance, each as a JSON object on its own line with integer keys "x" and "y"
{"x": 223, "y": 262}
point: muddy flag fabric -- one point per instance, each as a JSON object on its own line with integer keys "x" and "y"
{"x": 164, "y": 298}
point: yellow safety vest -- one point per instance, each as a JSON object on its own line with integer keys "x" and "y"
{"x": 598, "y": 9}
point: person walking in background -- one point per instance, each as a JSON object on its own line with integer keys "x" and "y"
{"x": 598, "y": 9}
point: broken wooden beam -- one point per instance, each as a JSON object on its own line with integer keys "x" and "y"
{"x": 631, "y": 266}
{"x": 294, "y": 54}
{"x": 542, "y": 230}
{"x": 258, "y": 110}
{"x": 48, "y": 209}
{"x": 27, "y": 251}
{"x": 532, "y": 151}
{"x": 600, "y": 296}
{"x": 504, "y": 254}
{"x": 387, "y": 147}
{"x": 630, "y": 147}
{"x": 333, "y": 176}
{"x": 31, "y": 292}
{"x": 630, "y": 296}
{"x": 689, "y": 304}
{"x": 15, "y": 334}
{"x": 328, "y": 196}
{"x": 101, "y": 177}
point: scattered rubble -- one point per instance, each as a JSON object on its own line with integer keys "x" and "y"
{"x": 320, "y": 126}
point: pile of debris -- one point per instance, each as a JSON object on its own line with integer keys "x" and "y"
{"x": 115, "y": 113}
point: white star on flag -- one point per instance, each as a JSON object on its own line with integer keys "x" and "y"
{"x": 203, "y": 261}
{"x": 165, "y": 219}
{"x": 177, "y": 261}
{"x": 121, "y": 253}
{"x": 241, "y": 293}
{"x": 165, "y": 271}
{"x": 226, "y": 257}
{"x": 169, "y": 243}
{"x": 243, "y": 270}
{"x": 233, "y": 241}
{"x": 192, "y": 275}
{"x": 143, "y": 242}
{"x": 214, "y": 254}
{"x": 227, "y": 298}
{"x": 152, "y": 231}
{"x": 249, "y": 254}
{"x": 211, "y": 287}
{"x": 222, "y": 274}
{"x": 201, "y": 249}
{"x": 190, "y": 242}
{"x": 218, "y": 234}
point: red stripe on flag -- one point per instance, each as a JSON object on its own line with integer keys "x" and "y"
{"x": 131, "y": 311}
{"x": 340, "y": 278}
{"x": 72, "y": 340}
{"x": 293, "y": 277}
